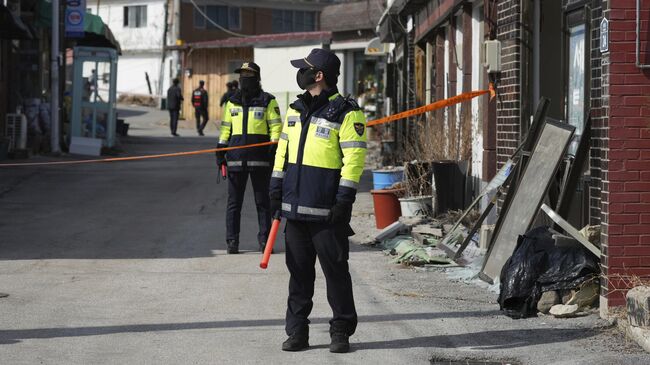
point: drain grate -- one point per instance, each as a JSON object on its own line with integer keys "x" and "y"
{"x": 438, "y": 361}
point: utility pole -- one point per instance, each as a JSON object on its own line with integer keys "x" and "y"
{"x": 54, "y": 79}
{"x": 161, "y": 74}
{"x": 177, "y": 36}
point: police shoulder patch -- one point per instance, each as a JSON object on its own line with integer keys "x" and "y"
{"x": 359, "y": 128}
{"x": 277, "y": 110}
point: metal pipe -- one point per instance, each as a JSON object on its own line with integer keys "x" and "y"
{"x": 54, "y": 79}
{"x": 638, "y": 36}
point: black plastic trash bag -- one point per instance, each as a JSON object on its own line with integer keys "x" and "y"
{"x": 537, "y": 266}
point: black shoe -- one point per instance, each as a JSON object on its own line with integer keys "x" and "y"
{"x": 340, "y": 342}
{"x": 297, "y": 341}
{"x": 201, "y": 133}
{"x": 175, "y": 134}
{"x": 233, "y": 246}
{"x": 262, "y": 246}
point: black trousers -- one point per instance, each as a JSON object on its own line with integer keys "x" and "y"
{"x": 198, "y": 114}
{"x": 306, "y": 241}
{"x": 173, "y": 120}
{"x": 261, "y": 178}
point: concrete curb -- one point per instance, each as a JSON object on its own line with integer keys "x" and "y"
{"x": 639, "y": 335}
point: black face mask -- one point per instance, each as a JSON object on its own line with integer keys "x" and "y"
{"x": 306, "y": 77}
{"x": 250, "y": 86}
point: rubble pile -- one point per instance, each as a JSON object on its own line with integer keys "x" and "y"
{"x": 534, "y": 259}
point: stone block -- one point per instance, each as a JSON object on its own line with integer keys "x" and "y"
{"x": 392, "y": 231}
{"x": 638, "y": 306}
{"x": 564, "y": 311}
{"x": 548, "y": 300}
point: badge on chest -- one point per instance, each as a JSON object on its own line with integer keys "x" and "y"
{"x": 323, "y": 132}
{"x": 258, "y": 114}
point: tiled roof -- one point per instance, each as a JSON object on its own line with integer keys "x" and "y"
{"x": 264, "y": 40}
{"x": 352, "y": 15}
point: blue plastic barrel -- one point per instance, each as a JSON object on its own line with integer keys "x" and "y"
{"x": 385, "y": 178}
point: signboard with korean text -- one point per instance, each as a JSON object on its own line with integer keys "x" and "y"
{"x": 75, "y": 12}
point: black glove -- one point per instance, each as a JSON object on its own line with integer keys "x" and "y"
{"x": 340, "y": 213}
{"x": 221, "y": 155}
{"x": 276, "y": 203}
{"x": 272, "y": 150}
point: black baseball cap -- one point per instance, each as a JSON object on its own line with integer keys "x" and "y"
{"x": 320, "y": 59}
{"x": 249, "y": 66}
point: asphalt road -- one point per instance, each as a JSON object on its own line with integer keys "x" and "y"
{"x": 124, "y": 263}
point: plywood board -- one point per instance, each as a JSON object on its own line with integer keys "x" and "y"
{"x": 211, "y": 66}
{"x": 531, "y": 189}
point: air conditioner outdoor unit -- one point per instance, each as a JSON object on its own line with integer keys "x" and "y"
{"x": 16, "y": 131}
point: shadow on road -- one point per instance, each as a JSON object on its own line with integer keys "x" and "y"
{"x": 486, "y": 340}
{"x": 131, "y": 112}
{"x": 14, "y": 336}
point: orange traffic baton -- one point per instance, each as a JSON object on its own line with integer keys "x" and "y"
{"x": 270, "y": 242}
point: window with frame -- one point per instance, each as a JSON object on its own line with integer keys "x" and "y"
{"x": 287, "y": 21}
{"x": 228, "y": 17}
{"x": 135, "y": 16}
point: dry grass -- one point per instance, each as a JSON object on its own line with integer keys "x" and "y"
{"x": 623, "y": 283}
{"x": 437, "y": 136}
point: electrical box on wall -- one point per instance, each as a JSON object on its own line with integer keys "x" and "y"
{"x": 492, "y": 52}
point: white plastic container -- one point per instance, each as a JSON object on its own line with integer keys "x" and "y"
{"x": 86, "y": 146}
{"x": 418, "y": 205}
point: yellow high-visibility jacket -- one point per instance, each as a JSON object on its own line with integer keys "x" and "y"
{"x": 259, "y": 121}
{"x": 320, "y": 157}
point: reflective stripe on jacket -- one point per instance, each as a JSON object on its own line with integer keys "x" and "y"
{"x": 320, "y": 158}
{"x": 259, "y": 121}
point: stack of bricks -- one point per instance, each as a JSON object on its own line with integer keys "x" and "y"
{"x": 626, "y": 181}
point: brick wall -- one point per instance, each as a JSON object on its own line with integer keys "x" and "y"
{"x": 509, "y": 103}
{"x": 626, "y": 181}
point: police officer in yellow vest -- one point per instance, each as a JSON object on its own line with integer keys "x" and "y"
{"x": 318, "y": 165}
{"x": 250, "y": 116}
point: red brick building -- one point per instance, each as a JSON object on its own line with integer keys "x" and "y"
{"x": 586, "y": 56}
{"x": 626, "y": 177}
{"x": 615, "y": 88}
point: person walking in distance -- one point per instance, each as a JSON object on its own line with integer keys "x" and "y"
{"x": 250, "y": 116}
{"x": 174, "y": 101}
{"x": 231, "y": 89}
{"x": 200, "y": 104}
{"x": 318, "y": 165}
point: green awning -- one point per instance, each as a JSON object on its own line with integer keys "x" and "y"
{"x": 97, "y": 33}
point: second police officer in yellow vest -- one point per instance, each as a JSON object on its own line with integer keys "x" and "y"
{"x": 250, "y": 116}
{"x": 318, "y": 165}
